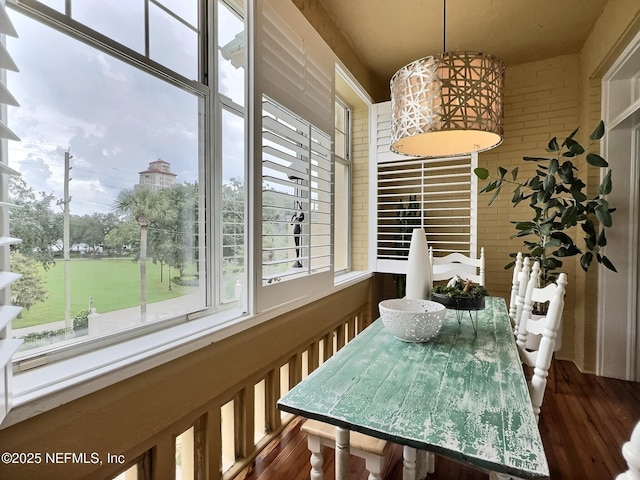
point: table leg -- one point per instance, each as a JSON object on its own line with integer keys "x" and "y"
{"x": 409, "y": 457}
{"x": 316, "y": 460}
{"x": 425, "y": 464}
{"x": 342, "y": 453}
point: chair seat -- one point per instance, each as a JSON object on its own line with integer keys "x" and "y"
{"x": 357, "y": 441}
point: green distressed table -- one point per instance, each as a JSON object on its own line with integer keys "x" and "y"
{"x": 459, "y": 395}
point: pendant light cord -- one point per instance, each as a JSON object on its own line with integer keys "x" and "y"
{"x": 444, "y": 26}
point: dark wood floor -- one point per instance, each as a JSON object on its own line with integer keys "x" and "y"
{"x": 584, "y": 422}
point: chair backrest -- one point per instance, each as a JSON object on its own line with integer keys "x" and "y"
{"x": 515, "y": 285}
{"x": 548, "y": 326}
{"x": 444, "y": 268}
{"x": 631, "y": 453}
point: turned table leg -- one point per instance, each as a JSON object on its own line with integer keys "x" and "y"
{"x": 342, "y": 453}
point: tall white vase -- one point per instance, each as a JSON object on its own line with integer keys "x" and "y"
{"x": 419, "y": 283}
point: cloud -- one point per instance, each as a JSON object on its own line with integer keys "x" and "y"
{"x": 114, "y": 118}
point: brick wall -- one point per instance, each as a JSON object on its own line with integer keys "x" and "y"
{"x": 360, "y": 189}
{"x": 541, "y": 101}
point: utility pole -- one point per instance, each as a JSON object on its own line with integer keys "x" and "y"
{"x": 65, "y": 244}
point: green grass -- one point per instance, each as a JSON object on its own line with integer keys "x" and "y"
{"x": 113, "y": 283}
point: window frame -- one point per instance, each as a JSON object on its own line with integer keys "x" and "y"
{"x": 347, "y": 164}
{"x": 209, "y": 165}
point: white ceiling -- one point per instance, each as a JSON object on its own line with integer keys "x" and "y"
{"x": 388, "y": 34}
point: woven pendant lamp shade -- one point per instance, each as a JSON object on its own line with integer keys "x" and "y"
{"x": 447, "y": 105}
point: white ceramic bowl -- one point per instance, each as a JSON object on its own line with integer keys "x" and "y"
{"x": 412, "y": 320}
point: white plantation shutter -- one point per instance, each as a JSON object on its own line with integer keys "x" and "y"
{"x": 8, "y": 346}
{"x": 295, "y": 68}
{"x": 293, "y": 151}
{"x": 436, "y": 194}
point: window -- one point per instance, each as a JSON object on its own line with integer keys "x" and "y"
{"x": 132, "y": 218}
{"x": 296, "y": 194}
{"x": 342, "y": 197}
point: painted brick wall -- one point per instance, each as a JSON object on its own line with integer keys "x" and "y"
{"x": 541, "y": 101}
{"x": 360, "y": 189}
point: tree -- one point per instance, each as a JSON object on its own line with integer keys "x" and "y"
{"x": 34, "y": 221}
{"x": 233, "y": 201}
{"x": 30, "y": 288}
{"x": 123, "y": 238}
{"x": 144, "y": 206}
{"x": 92, "y": 229}
{"x": 173, "y": 238}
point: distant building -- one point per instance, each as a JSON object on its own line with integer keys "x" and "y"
{"x": 157, "y": 176}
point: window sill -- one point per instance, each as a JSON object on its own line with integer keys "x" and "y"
{"x": 46, "y": 387}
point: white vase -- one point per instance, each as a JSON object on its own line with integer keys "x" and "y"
{"x": 419, "y": 283}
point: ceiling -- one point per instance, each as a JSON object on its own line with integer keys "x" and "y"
{"x": 388, "y": 34}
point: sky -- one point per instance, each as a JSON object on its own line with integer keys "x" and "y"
{"x": 113, "y": 118}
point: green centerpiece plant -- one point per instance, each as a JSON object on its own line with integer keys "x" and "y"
{"x": 460, "y": 294}
{"x": 558, "y": 204}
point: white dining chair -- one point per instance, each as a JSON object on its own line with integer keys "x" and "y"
{"x": 547, "y": 326}
{"x": 447, "y": 267}
{"x": 631, "y": 453}
{"x": 515, "y": 285}
{"x": 523, "y": 279}
{"x": 374, "y": 451}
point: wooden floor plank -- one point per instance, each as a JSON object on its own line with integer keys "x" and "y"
{"x": 584, "y": 422}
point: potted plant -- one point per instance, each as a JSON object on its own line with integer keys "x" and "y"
{"x": 558, "y": 204}
{"x": 460, "y": 294}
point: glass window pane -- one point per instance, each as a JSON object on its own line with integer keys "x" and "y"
{"x": 133, "y": 142}
{"x": 172, "y": 43}
{"x": 231, "y": 41}
{"x": 340, "y": 145}
{"x": 185, "y": 9}
{"x": 233, "y": 205}
{"x": 121, "y": 21}
{"x": 340, "y": 117}
{"x": 341, "y": 217}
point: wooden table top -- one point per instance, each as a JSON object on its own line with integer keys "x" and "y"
{"x": 459, "y": 395}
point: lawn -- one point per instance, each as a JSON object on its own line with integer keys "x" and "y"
{"x": 112, "y": 283}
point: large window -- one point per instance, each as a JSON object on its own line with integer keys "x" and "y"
{"x": 122, "y": 184}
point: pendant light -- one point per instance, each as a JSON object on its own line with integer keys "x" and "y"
{"x": 447, "y": 105}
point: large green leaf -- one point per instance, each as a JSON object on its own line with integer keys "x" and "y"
{"x": 574, "y": 147}
{"x": 569, "y": 216}
{"x": 571, "y": 135}
{"x": 490, "y": 186}
{"x": 588, "y": 227}
{"x": 514, "y": 174}
{"x": 517, "y": 196}
{"x": 578, "y": 196}
{"x": 603, "y": 214}
{"x": 525, "y": 225}
{"x": 562, "y": 237}
{"x": 596, "y": 160}
{"x": 606, "y": 185}
{"x": 607, "y": 263}
{"x": 586, "y": 260}
{"x": 549, "y": 182}
{"x": 535, "y": 159}
{"x": 481, "y": 173}
{"x": 553, "y": 146}
{"x": 602, "y": 238}
{"x": 598, "y": 133}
